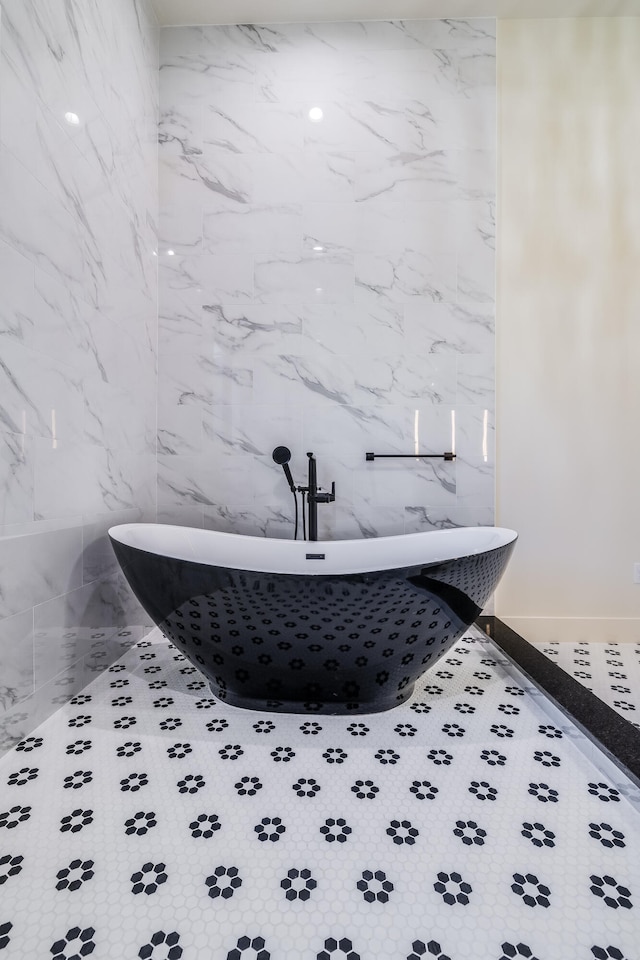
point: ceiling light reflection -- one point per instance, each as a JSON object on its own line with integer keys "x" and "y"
{"x": 485, "y": 430}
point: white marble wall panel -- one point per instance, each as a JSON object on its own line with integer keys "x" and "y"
{"x": 352, "y": 330}
{"x": 269, "y": 229}
{"x": 38, "y": 565}
{"x": 420, "y": 519}
{"x": 16, "y": 651}
{"x": 455, "y": 328}
{"x": 98, "y": 559}
{"x": 327, "y": 278}
{"x": 252, "y": 428}
{"x": 16, "y": 478}
{"x": 78, "y": 326}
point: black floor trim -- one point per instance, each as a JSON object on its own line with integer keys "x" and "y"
{"x": 618, "y": 738}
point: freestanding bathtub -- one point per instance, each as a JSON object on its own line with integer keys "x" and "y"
{"x": 343, "y": 626}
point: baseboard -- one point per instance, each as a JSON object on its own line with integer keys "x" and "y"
{"x": 575, "y": 629}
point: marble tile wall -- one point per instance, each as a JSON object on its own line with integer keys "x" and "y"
{"x": 327, "y": 225}
{"x": 78, "y": 335}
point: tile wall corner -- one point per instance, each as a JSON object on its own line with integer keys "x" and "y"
{"x": 78, "y": 334}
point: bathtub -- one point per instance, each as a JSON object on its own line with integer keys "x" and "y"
{"x": 339, "y": 627}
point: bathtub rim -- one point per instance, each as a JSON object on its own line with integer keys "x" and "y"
{"x": 296, "y": 557}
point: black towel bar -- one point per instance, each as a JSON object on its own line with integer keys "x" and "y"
{"x": 448, "y": 455}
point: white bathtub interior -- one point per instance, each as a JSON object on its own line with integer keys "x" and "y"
{"x": 303, "y": 557}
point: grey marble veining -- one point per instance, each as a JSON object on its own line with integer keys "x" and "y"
{"x": 78, "y": 322}
{"x": 327, "y": 278}
{"x": 16, "y": 650}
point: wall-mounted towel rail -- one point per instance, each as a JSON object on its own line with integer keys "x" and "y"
{"x": 448, "y": 455}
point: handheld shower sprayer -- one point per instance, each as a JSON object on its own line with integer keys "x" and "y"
{"x": 281, "y": 456}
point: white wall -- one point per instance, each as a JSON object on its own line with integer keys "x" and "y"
{"x": 327, "y": 285}
{"x": 78, "y": 319}
{"x": 568, "y": 336}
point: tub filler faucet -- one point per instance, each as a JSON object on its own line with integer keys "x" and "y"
{"x": 314, "y": 498}
{"x": 282, "y": 456}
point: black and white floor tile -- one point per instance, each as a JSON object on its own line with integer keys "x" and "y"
{"x": 148, "y": 820}
{"x": 610, "y": 670}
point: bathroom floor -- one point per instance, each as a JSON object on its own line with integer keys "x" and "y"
{"x": 610, "y": 670}
{"x": 146, "y": 819}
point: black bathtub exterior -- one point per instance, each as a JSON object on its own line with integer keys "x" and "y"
{"x": 333, "y": 644}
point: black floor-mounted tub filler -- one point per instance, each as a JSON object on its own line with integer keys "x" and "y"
{"x": 336, "y": 627}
